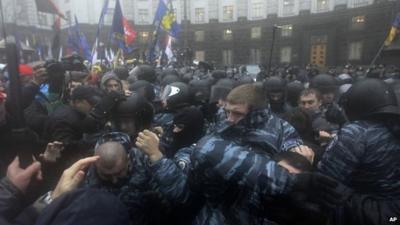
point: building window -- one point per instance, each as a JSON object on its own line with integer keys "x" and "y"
{"x": 255, "y": 56}
{"x": 129, "y": 14}
{"x": 143, "y": 36}
{"x": 286, "y": 30}
{"x": 200, "y": 55}
{"x": 227, "y": 35}
{"x": 227, "y": 57}
{"x": 288, "y": 8}
{"x": 227, "y": 13}
{"x": 358, "y": 22}
{"x": 42, "y": 19}
{"x": 322, "y": 5}
{"x": 199, "y": 35}
{"x": 360, "y": 3}
{"x": 199, "y": 15}
{"x": 257, "y": 10}
{"x": 286, "y": 55}
{"x": 143, "y": 16}
{"x": 355, "y": 50}
{"x": 255, "y": 32}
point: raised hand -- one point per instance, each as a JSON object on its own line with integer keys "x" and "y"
{"x": 52, "y": 152}
{"x": 148, "y": 142}
{"x": 73, "y": 176}
{"x": 21, "y": 178}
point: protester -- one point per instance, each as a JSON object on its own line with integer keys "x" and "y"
{"x": 190, "y": 144}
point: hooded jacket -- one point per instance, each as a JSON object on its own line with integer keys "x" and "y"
{"x": 106, "y": 78}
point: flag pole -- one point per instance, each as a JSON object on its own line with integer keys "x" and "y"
{"x": 3, "y": 23}
{"x": 153, "y": 43}
{"x": 378, "y": 54}
{"x": 274, "y": 28}
{"x": 99, "y": 26}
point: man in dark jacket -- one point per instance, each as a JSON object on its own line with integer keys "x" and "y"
{"x": 310, "y": 101}
{"x": 68, "y": 123}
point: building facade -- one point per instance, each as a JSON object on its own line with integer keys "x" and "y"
{"x": 231, "y": 32}
{"x": 322, "y": 32}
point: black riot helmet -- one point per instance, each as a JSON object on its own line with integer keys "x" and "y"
{"x": 293, "y": 91}
{"x": 176, "y": 95}
{"x": 169, "y": 71}
{"x": 275, "y": 85}
{"x": 169, "y": 79}
{"x": 221, "y": 89}
{"x": 275, "y": 89}
{"x": 144, "y": 88}
{"x": 133, "y": 115}
{"x": 144, "y": 72}
{"x": 200, "y": 90}
{"x": 370, "y": 97}
{"x": 324, "y": 83}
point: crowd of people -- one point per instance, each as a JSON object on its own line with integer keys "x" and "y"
{"x": 141, "y": 144}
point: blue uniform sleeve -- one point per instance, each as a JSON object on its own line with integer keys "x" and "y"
{"x": 343, "y": 154}
{"x": 290, "y": 137}
{"x": 218, "y": 161}
{"x": 170, "y": 176}
{"x": 214, "y": 165}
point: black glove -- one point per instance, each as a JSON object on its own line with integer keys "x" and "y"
{"x": 321, "y": 189}
{"x": 106, "y": 104}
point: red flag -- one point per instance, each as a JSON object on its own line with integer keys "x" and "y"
{"x": 130, "y": 33}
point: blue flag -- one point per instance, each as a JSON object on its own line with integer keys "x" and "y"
{"x": 394, "y": 31}
{"x": 99, "y": 26}
{"x": 117, "y": 29}
{"x": 83, "y": 44}
{"x": 77, "y": 42}
{"x": 72, "y": 42}
{"x": 166, "y": 19}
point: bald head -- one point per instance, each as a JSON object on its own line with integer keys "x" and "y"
{"x": 113, "y": 159}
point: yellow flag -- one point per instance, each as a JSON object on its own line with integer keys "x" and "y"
{"x": 392, "y": 35}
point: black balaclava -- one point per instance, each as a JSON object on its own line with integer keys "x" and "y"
{"x": 192, "y": 121}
